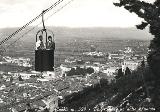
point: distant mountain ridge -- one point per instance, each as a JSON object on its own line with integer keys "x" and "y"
{"x": 64, "y": 33}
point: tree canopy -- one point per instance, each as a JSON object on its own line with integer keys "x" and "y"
{"x": 80, "y": 71}
{"x": 127, "y": 71}
{"x": 119, "y": 74}
{"x": 150, "y": 13}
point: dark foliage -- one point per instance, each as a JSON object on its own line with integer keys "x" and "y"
{"x": 11, "y": 79}
{"x": 80, "y": 71}
{"x": 143, "y": 64}
{"x": 80, "y": 62}
{"x": 71, "y": 72}
{"x": 142, "y": 25}
{"x": 120, "y": 74}
{"x": 20, "y": 78}
{"x": 89, "y": 70}
{"x": 127, "y": 71}
{"x": 150, "y": 13}
{"x": 120, "y": 89}
{"x": 80, "y": 99}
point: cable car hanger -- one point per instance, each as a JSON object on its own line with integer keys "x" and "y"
{"x": 44, "y": 28}
{"x": 43, "y": 20}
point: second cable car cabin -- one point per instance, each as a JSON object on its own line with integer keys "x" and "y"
{"x": 44, "y": 53}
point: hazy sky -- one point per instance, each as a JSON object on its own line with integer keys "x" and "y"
{"x": 80, "y": 13}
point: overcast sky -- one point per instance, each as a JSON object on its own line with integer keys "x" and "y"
{"x": 80, "y": 13}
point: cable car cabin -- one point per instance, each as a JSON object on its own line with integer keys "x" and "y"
{"x": 44, "y": 53}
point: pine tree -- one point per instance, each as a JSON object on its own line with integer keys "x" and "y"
{"x": 127, "y": 71}
{"x": 72, "y": 72}
{"x": 89, "y": 70}
{"x": 143, "y": 64}
{"x": 120, "y": 74}
{"x": 150, "y": 13}
{"x": 20, "y": 78}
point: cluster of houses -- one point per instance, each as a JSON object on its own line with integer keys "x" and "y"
{"x": 114, "y": 61}
{"x": 106, "y": 68}
{"x": 95, "y": 53}
{"x": 38, "y": 89}
{"x": 25, "y": 62}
